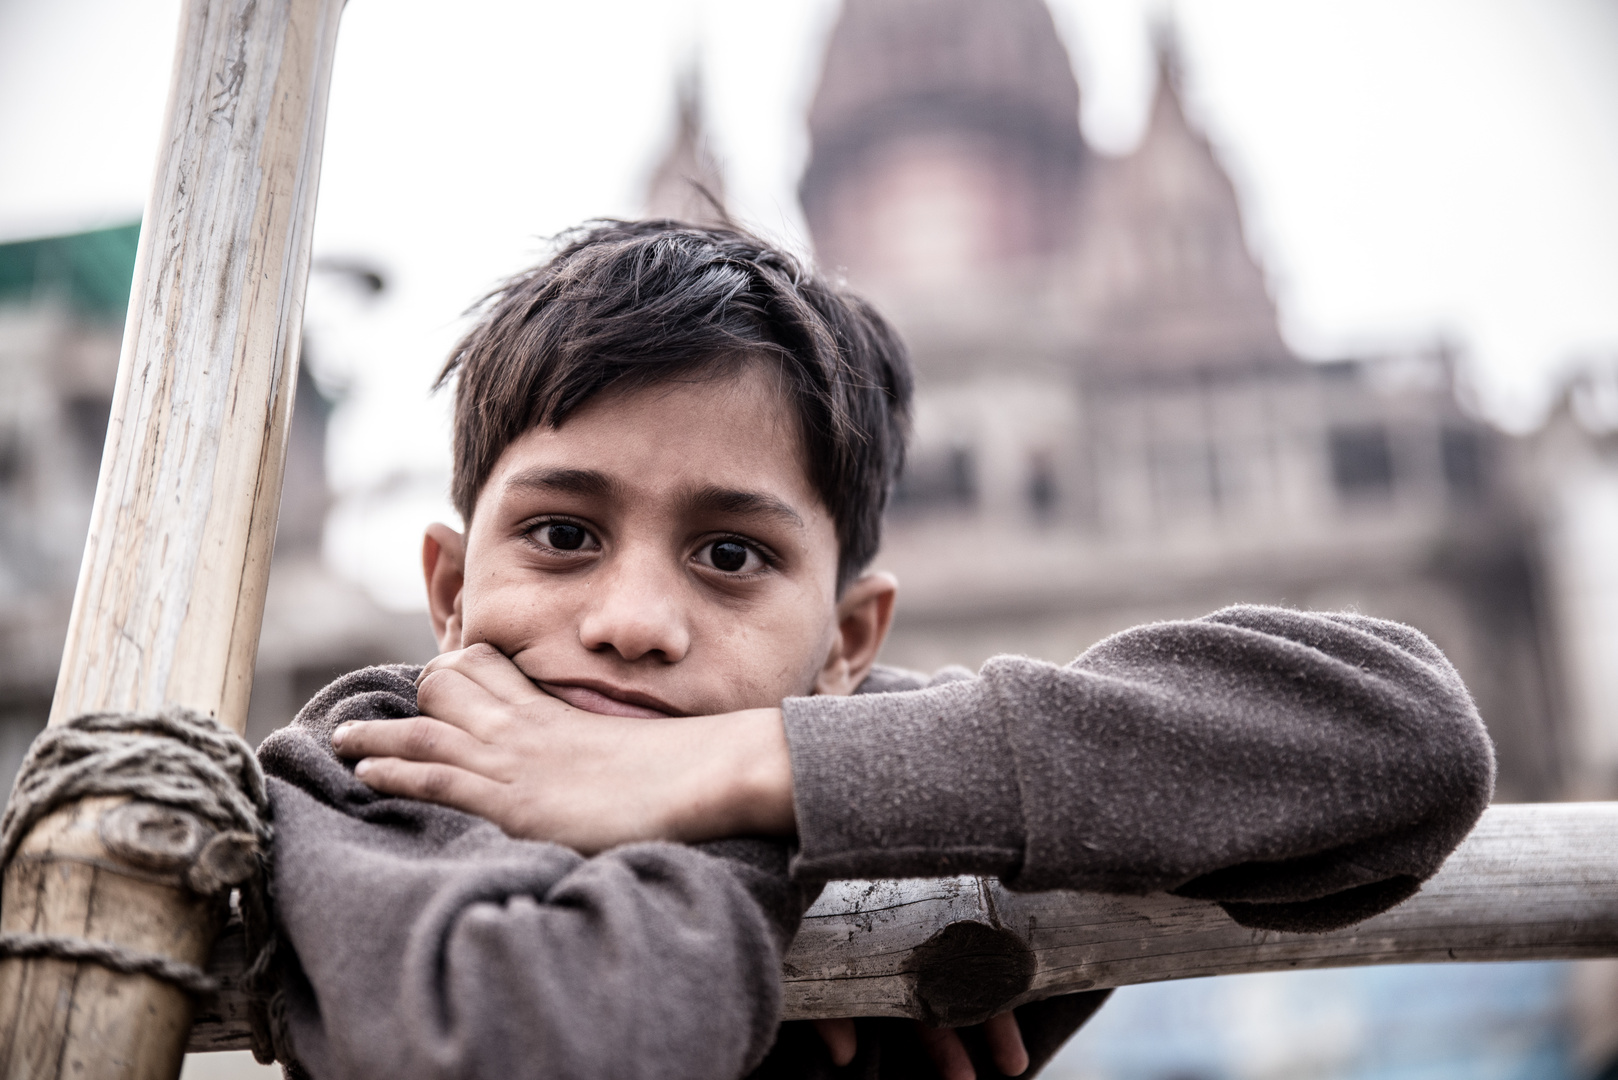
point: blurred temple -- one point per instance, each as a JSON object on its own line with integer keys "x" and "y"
{"x": 687, "y": 184}
{"x": 62, "y": 303}
{"x": 1110, "y": 428}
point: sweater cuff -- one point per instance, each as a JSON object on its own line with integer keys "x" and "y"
{"x": 919, "y": 783}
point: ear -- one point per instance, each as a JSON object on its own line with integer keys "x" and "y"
{"x": 443, "y": 563}
{"x": 864, "y": 615}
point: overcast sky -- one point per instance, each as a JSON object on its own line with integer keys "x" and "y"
{"x": 1408, "y": 169}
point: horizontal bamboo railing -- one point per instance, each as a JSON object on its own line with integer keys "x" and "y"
{"x": 1532, "y": 882}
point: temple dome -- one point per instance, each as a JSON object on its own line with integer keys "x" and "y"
{"x": 903, "y": 62}
{"x": 945, "y": 147}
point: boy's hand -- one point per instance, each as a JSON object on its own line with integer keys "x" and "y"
{"x": 491, "y": 743}
{"x": 943, "y": 1046}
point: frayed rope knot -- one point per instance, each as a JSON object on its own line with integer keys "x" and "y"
{"x": 179, "y": 759}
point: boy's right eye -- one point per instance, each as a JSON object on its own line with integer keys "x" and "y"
{"x": 562, "y": 536}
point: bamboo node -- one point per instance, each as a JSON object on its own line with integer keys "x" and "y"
{"x": 152, "y": 836}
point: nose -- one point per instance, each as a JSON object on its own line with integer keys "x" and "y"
{"x": 635, "y": 611}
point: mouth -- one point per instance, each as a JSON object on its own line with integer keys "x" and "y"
{"x": 604, "y": 700}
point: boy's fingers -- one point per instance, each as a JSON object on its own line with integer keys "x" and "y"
{"x": 489, "y": 668}
{"x": 442, "y": 784}
{"x": 840, "y": 1038}
{"x": 1004, "y": 1037}
{"x": 416, "y": 738}
{"x": 448, "y": 694}
{"x": 948, "y": 1053}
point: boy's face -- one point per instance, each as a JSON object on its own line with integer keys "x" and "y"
{"x": 661, "y": 552}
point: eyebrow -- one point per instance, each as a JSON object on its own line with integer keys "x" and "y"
{"x": 565, "y": 481}
{"x": 757, "y": 504}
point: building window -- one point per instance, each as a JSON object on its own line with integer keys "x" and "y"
{"x": 1361, "y": 461}
{"x": 1042, "y": 484}
{"x": 933, "y": 481}
{"x": 87, "y": 416}
{"x": 13, "y": 458}
{"x": 1185, "y": 478}
{"x": 1462, "y": 453}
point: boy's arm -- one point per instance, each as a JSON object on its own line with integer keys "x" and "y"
{"x": 430, "y": 944}
{"x": 1306, "y": 770}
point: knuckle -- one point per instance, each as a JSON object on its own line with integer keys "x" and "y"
{"x": 481, "y": 653}
{"x": 429, "y": 681}
{"x": 421, "y": 738}
{"x": 435, "y": 782}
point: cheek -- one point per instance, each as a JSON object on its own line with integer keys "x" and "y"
{"x": 512, "y": 613}
{"x": 758, "y": 661}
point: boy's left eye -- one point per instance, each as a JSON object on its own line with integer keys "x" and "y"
{"x": 731, "y": 556}
{"x": 563, "y": 536}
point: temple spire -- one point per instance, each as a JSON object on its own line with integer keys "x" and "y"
{"x": 688, "y": 184}
{"x": 1163, "y": 263}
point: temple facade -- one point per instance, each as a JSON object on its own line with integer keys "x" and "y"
{"x": 1110, "y": 428}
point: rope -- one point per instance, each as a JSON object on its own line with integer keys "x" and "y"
{"x": 115, "y": 957}
{"x": 175, "y": 757}
{"x": 178, "y": 758}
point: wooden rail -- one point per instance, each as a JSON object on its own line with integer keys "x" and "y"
{"x": 171, "y": 591}
{"x": 1532, "y": 882}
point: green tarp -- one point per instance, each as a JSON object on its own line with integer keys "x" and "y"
{"x": 89, "y": 271}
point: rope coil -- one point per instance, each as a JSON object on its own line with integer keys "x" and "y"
{"x": 177, "y": 758}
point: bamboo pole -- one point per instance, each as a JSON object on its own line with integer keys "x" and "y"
{"x": 171, "y": 590}
{"x": 1535, "y": 882}
{"x": 1531, "y": 882}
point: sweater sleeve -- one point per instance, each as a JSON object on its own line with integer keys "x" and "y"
{"x": 1305, "y": 770}
{"x": 426, "y": 943}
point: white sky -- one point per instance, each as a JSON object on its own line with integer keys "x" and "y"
{"x": 1408, "y": 168}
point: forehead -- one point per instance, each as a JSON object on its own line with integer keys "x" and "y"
{"x": 735, "y": 429}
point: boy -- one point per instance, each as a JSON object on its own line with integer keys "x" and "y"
{"x": 673, "y": 447}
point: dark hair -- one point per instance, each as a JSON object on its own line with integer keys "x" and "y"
{"x": 627, "y": 304}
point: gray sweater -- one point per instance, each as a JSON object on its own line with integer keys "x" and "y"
{"x": 1304, "y": 770}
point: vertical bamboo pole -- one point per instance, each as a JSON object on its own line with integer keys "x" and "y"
{"x": 171, "y": 591}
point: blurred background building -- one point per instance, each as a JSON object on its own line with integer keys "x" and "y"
{"x": 62, "y": 303}
{"x": 1110, "y": 429}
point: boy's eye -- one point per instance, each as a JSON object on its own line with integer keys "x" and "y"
{"x": 562, "y": 535}
{"x": 731, "y": 556}
{"x": 728, "y": 555}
